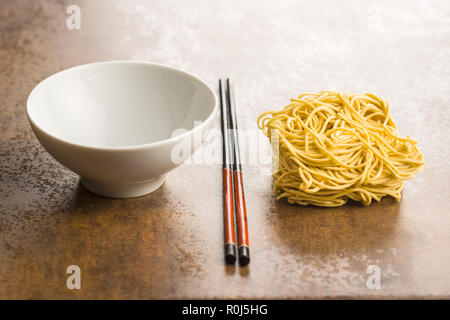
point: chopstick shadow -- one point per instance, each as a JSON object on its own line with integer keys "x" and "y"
{"x": 350, "y": 228}
{"x": 230, "y": 269}
{"x": 244, "y": 271}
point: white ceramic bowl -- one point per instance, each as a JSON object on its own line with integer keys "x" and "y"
{"x": 113, "y": 122}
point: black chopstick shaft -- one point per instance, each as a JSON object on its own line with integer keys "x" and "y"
{"x": 227, "y": 176}
{"x": 239, "y": 197}
{"x": 227, "y": 156}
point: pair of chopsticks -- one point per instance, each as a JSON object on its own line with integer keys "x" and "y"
{"x": 232, "y": 176}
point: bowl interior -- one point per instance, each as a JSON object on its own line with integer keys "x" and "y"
{"x": 118, "y": 104}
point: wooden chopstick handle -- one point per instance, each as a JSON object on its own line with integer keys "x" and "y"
{"x": 228, "y": 216}
{"x": 241, "y": 219}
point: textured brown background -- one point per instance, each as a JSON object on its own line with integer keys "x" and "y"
{"x": 169, "y": 244}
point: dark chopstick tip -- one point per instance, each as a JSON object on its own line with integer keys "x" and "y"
{"x": 230, "y": 253}
{"x": 244, "y": 255}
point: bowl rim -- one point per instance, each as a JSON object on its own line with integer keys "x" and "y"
{"x": 130, "y": 147}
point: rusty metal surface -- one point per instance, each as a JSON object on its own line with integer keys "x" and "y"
{"x": 169, "y": 244}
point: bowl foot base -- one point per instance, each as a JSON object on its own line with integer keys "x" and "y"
{"x": 122, "y": 190}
